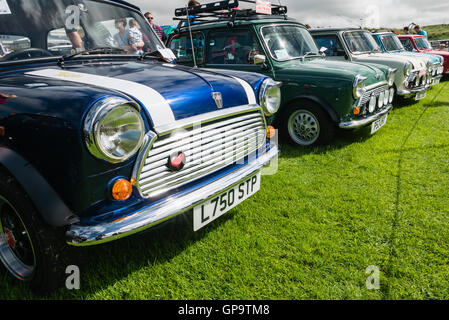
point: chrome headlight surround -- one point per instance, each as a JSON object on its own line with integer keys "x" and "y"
{"x": 429, "y": 66}
{"x": 408, "y": 68}
{"x": 114, "y": 129}
{"x": 359, "y": 86}
{"x": 391, "y": 73}
{"x": 270, "y": 96}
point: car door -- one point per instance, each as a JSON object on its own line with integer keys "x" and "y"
{"x": 236, "y": 49}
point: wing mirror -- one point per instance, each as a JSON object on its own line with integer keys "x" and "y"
{"x": 259, "y": 59}
{"x": 323, "y": 51}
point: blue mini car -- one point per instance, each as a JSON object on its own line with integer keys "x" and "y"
{"x": 103, "y": 136}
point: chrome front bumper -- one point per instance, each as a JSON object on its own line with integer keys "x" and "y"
{"x": 355, "y": 124}
{"x": 407, "y": 92}
{"x": 80, "y": 235}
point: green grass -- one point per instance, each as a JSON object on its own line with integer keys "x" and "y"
{"x": 312, "y": 230}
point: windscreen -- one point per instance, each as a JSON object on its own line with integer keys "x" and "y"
{"x": 44, "y": 28}
{"x": 392, "y": 43}
{"x": 287, "y": 42}
{"x": 361, "y": 42}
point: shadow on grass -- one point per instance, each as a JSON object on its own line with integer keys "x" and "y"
{"x": 104, "y": 265}
{"x": 342, "y": 139}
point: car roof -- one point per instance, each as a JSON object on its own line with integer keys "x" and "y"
{"x": 241, "y": 21}
{"x": 316, "y": 30}
{"x": 410, "y": 36}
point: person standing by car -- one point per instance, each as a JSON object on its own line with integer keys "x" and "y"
{"x": 159, "y": 31}
{"x": 406, "y": 30}
{"x": 420, "y": 31}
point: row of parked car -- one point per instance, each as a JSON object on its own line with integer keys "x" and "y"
{"x": 101, "y": 143}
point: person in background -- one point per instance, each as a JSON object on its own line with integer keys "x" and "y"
{"x": 192, "y": 3}
{"x": 135, "y": 38}
{"x": 308, "y": 26}
{"x": 420, "y": 31}
{"x": 406, "y": 30}
{"x": 160, "y": 33}
{"x": 122, "y": 36}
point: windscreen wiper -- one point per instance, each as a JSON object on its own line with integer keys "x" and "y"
{"x": 156, "y": 54}
{"x": 97, "y": 50}
{"x": 310, "y": 54}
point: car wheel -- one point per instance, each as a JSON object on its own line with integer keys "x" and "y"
{"x": 308, "y": 126}
{"x": 30, "y": 250}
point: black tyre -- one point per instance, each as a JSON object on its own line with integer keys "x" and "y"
{"x": 30, "y": 250}
{"x": 307, "y": 125}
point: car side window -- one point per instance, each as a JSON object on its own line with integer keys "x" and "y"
{"x": 408, "y": 45}
{"x": 58, "y": 43}
{"x": 182, "y": 48}
{"x": 332, "y": 43}
{"x": 231, "y": 48}
{"x": 13, "y": 43}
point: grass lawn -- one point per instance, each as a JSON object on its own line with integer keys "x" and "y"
{"x": 312, "y": 230}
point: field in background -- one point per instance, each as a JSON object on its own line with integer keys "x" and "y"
{"x": 435, "y": 32}
{"x": 312, "y": 230}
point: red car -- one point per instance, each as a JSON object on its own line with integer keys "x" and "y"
{"x": 419, "y": 43}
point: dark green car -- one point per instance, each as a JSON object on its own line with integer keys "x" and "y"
{"x": 318, "y": 96}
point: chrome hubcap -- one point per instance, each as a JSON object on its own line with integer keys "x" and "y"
{"x": 303, "y": 127}
{"x": 16, "y": 249}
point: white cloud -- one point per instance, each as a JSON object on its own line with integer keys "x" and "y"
{"x": 392, "y": 13}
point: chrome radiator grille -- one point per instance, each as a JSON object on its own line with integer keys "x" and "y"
{"x": 376, "y": 92}
{"x": 207, "y": 148}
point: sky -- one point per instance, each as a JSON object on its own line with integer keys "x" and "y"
{"x": 335, "y": 13}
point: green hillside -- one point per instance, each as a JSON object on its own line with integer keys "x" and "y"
{"x": 438, "y": 32}
{"x": 435, "y": 32}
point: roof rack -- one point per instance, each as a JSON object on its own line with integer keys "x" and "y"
{"x": 222, "y": 11}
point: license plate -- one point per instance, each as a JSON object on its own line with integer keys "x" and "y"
{"x": 436, "y": 81}
{"x": 218, "y": 206}
{"x": 379, "y": 123}
{"x": 421, "y": 95}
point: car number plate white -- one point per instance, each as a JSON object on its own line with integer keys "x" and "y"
{"x": 218, "y": 206}
{"x": 421, "y": 95}
{"x": 379, "y": 123}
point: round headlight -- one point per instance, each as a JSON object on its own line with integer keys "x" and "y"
{"x": 386, "y": 97}
{"x": 114, "y": 129}
{"x": 359, "y": 86}
{"x": 408, "y": 67}
{"x": 390, "y": 76}
{"x": 372, "y": 104}
{"x": 270, "y": 96}
{"x": 390, "y": 100}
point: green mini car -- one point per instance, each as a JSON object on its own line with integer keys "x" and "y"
{"x": 318, "y": 96}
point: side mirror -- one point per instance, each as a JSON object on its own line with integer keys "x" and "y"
{"x": 323, "y": 51}
{"x": 259, "y": 59}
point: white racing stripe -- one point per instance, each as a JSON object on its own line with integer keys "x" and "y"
{"x": 248, "y": 89}
{"x": 156, "y": 105}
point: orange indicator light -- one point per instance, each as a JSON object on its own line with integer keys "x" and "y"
{"x": 122, "y": 190}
